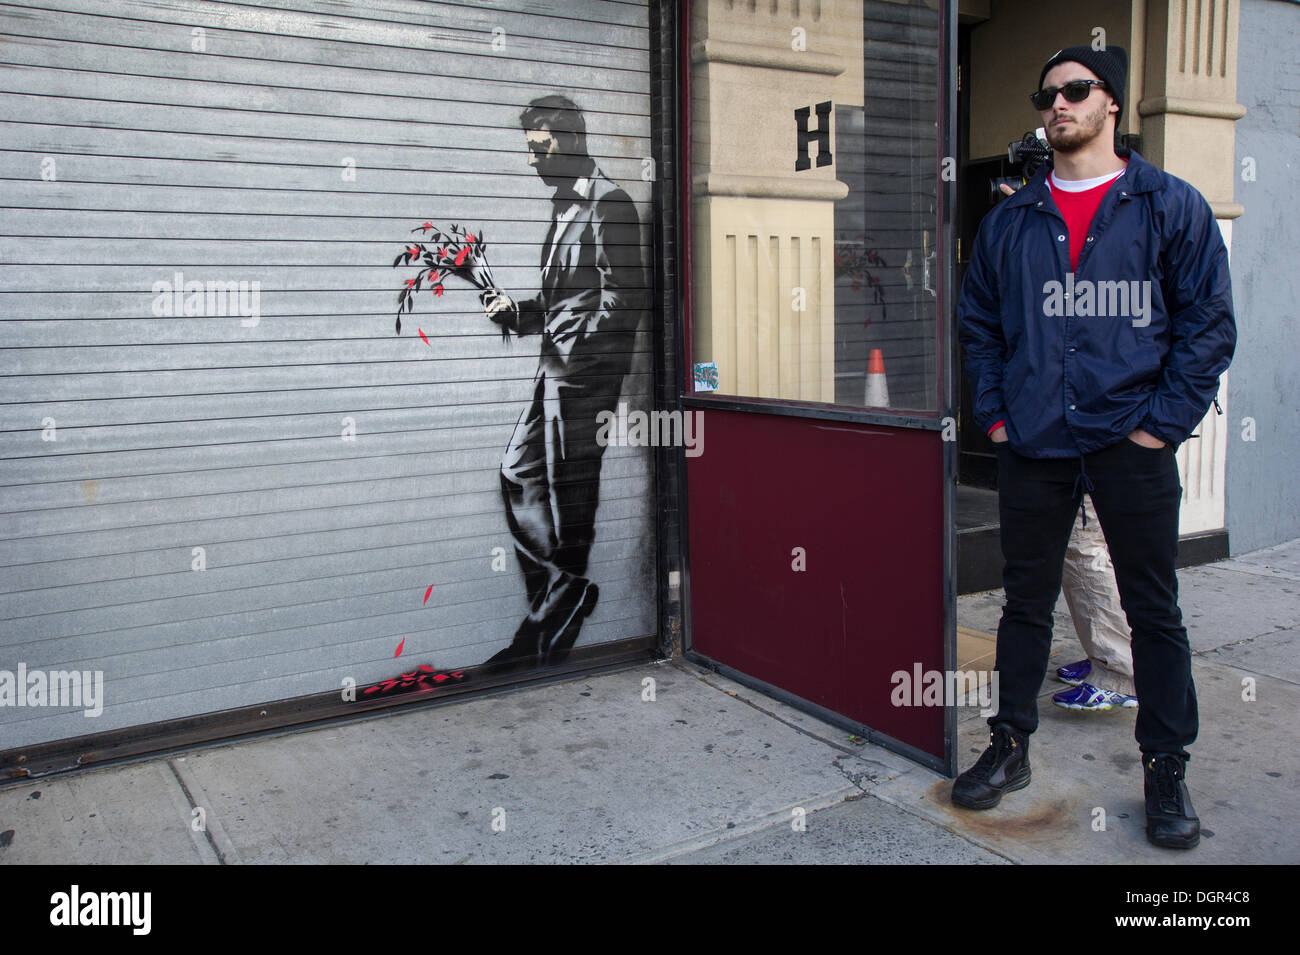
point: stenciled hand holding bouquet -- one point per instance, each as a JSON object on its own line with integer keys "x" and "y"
{"x": 453, "y": 252}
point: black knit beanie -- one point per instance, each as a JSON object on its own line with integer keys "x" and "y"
{"x": 1110, "y": 65}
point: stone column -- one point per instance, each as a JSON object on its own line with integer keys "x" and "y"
{"x": 1188, "y": 109}
{"x": 764, "y": 230}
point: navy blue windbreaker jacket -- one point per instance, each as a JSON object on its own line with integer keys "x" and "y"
{"x": 1073, "y": 364}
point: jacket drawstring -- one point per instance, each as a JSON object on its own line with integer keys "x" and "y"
{"x": 1082, "y": 486}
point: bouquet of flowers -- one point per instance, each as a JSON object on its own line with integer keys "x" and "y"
{"x": 454, "y": 252}
{"x": 421, "y": 678}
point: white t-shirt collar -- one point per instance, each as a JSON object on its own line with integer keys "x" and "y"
{"x": 1083, "y": 185}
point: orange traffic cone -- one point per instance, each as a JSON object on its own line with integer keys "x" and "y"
{"x": 877, "y": 384}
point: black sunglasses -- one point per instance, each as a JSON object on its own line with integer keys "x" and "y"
{"x": 1076, "y": 91}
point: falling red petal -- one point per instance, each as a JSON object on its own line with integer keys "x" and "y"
{"x": 426, "y": 341}
{"x": 430, "y": 590}
{"x": 399, "y": 647}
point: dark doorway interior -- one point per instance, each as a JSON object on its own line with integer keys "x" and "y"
{"x": 979, "y": 553}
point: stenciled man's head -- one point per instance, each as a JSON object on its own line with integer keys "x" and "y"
{"x": 557, "y": 139}
{"x": 1081, "y": 96}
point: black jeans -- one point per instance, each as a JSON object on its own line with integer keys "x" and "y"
{"x": 1136, "y": 493}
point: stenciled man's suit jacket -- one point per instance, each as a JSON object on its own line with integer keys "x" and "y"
{"x": 592, "y": 298}
{"x": 593, "y": 285}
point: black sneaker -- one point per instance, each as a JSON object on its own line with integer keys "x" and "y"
{"x": 1002, "y": 768}
{"x": 1171, "y": 820}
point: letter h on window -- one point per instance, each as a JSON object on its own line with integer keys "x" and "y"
{"x": 822, "y": 135}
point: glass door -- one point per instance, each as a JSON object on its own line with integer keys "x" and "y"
{"x": 819, "y": 495}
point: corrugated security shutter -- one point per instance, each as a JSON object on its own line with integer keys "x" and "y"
{"x": 330, "y": 470}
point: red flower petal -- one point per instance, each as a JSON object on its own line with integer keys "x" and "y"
{"x": 427, "y": 592}
{"x": 399, "y": 647}
{"x": 426, "y": 341}
{"x": 460, "y": 256}
{"x": 470, "y": 237}
{"x": 426, "y": 227}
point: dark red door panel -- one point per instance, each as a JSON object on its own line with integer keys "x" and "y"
{"x": 860, "y": 508}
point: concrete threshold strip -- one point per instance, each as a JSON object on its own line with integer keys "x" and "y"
{"x": 778, "y": 817}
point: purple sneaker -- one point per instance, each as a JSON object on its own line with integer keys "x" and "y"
{"x": 1074, "y": 673}
{"x": 1085, "y": 696}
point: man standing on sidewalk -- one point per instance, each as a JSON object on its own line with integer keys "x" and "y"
{"x": 1096, "y": 317}
{"x": 591, "y": 299}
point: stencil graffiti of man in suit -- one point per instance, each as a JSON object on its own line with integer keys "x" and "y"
{"x": 587, "y": 311}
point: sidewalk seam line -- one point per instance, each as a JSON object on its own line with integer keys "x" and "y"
{"x": 1271, "y": 573}
{"x": 207, "y": 830}
{"x": 1202, "y": 656}
{"x": 181, "y": 802}
{"x": 719, "y": 836}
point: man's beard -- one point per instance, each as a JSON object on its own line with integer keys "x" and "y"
{"x": 1078, "y": 134}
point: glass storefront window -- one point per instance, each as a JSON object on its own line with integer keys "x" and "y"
{"x": 814, "y": 167}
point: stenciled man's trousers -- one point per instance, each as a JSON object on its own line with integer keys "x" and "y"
{"x": 1136, "y": 493}
{"x": 550, "y": 475}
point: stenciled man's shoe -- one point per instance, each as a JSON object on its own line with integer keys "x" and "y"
{"x": 1002, "y": 768}
{"x": 523, "y": 652}
{"x": 567, "y": 634}
{"x": 1171, "y": 820}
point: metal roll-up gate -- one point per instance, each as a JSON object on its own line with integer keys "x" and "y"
{"x": 225, "y": 478}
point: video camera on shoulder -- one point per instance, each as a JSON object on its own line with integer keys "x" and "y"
{"x": 1031, "y": 151}
{"x": 1028, "y": 153}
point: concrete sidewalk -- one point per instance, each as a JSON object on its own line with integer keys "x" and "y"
{"x": 586, "y": 771}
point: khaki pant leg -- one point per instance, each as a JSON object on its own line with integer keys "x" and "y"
{"x": 1088, "y": 581}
